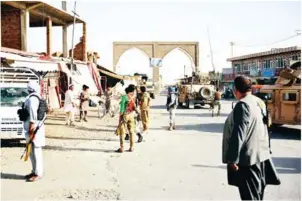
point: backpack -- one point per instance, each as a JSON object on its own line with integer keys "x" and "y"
{"x": 42, "y": 110}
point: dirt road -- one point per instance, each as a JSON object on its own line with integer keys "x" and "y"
{"x": 185, "y": 164}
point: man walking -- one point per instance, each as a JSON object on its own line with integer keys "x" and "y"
{"x": 172, "y": 102}
{"x": 32, "y": 105}
{"x": 126, "y": 121}
{"x": 144, "y": 103}
{"x": 69, "y": 105}
{"x": 245, "y": 143}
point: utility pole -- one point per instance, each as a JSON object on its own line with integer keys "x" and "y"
{"x": 232, "y": 45}
{"x": 73, "y": 27}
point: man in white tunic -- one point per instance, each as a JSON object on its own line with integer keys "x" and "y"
{"x": 31, "y": 105}
{"x": 69, "y": 105}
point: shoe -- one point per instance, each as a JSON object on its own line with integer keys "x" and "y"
{"x": 120, "y": 150}
{"x": 85, "y": 120}
{"x": 127, "y": 137}
{"x": 29, "y": 175}
{"x": 171, "y": 127}
{"x": 140, "y": 138}
{"x": 174, "y": 127}
{"x": 34, "y": 178}
{"x": 130, "y": 149}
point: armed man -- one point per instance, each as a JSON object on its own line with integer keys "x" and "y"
{"x": 35, "y": 138}
{"x": 172, "y": 102}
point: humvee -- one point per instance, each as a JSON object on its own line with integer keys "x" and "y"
{"x": 284, "y": 97}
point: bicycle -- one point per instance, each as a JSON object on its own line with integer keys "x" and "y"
{"x": 107, "y": 106}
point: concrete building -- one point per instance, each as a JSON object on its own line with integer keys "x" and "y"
{"x": 18, "y": 16}
{"x": 265, "y": 64}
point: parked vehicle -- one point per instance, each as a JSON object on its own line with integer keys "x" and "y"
{"x": 13, "y": 94}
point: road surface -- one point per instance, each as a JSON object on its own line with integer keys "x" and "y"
{"x": 185, "y": 164}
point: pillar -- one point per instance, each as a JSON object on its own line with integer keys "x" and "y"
{"x": 156, "y": 69}
{"x": 65, "y": 50}
{"x": 24, "y": 27}
{"x": 48, "y": 36}
{"x": 84, "y": 43}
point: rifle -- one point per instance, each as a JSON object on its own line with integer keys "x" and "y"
{"x": 29, "y": 144}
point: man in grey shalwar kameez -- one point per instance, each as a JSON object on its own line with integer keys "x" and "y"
{"x": 31, "y": 105}
{"x": 245, "y": 143}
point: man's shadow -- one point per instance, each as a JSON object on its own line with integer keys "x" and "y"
{"x": 12, "y": 176}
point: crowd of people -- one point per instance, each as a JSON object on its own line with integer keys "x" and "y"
{"x": 245, "y": 145}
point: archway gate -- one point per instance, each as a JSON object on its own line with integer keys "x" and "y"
{"x": 156, "y": 50}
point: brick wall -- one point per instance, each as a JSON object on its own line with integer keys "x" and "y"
{"x": 11, "y": 29}
{"x": 78, "y": 51}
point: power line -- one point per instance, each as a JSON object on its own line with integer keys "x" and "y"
{"x": 285, "y": 39}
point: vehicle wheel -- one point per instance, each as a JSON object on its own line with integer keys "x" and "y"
{"x": 101, "y": 110}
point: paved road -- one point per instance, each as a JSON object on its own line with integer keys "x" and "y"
{"x": 180, "y": 165}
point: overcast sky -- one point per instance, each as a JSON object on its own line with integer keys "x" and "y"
{"x": 246, "y": 23}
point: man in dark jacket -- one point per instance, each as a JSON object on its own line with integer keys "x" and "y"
{"x": 172, "y": 102}
{"x": 245, "y": 143}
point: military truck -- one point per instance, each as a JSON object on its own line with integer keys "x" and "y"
{"x": 284, "y": 97}
{"x": 195, "y": 90}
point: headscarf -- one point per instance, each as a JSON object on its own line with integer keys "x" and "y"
{"x": 33, "y": 86}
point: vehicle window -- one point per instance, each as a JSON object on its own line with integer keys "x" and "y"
{"x": 289, "y": 97}
{"x": 13, "y": 96}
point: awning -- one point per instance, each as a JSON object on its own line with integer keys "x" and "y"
{"x": 111, "y": 74}
{"x": 32, "y": 63}
{"x": 37, "y": 66}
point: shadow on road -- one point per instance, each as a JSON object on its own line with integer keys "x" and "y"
{"x": 11, "y": 143}
{"x": 210, "y": 128}
{"x": 12, "y": 176}
{"x": 209, "y": 114}
{"x": 285, "y": 133}
{"x": 59, "y": 148}
{"x": 287, "y": 165}
{"x": 158, "y": 107}
{"x": 210, "y": 166}
{"x": 76, "y": 138}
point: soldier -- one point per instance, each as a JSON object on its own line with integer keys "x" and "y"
{"x": 172, "y": 102}
{"x": 144, "y": 103}
{"x": 127, "y": 108}
{"x": 217, "y": 99}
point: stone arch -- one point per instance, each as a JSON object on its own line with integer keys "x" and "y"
{"x": 131, "y": 48}
{"x": 157, "y": 50}
{"x": 183, "y": 51}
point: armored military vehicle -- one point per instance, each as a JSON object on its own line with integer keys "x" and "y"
{"x": 195, "y": 90}
{"x": 284, "y": 97}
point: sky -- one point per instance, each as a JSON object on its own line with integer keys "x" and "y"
{"x": 245, "y": 23}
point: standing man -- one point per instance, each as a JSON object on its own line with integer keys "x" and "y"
{"x": 144, "y": 103}
{"x": 32, "y": 105}
{"x": 84, "y": 105}
{"x": 69, "y": 105}
{"x": 172, "y": 102}
{"x": 217, "y": 99}
{"x": 245, "y": 143}
{"x": 126, "y": 121}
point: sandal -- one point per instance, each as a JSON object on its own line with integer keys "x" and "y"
{"x": 130, "y": 149}
{"x": 29, "y": 176}
{"x": 120, "y": 150}
{"x": 34, "y": 178}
